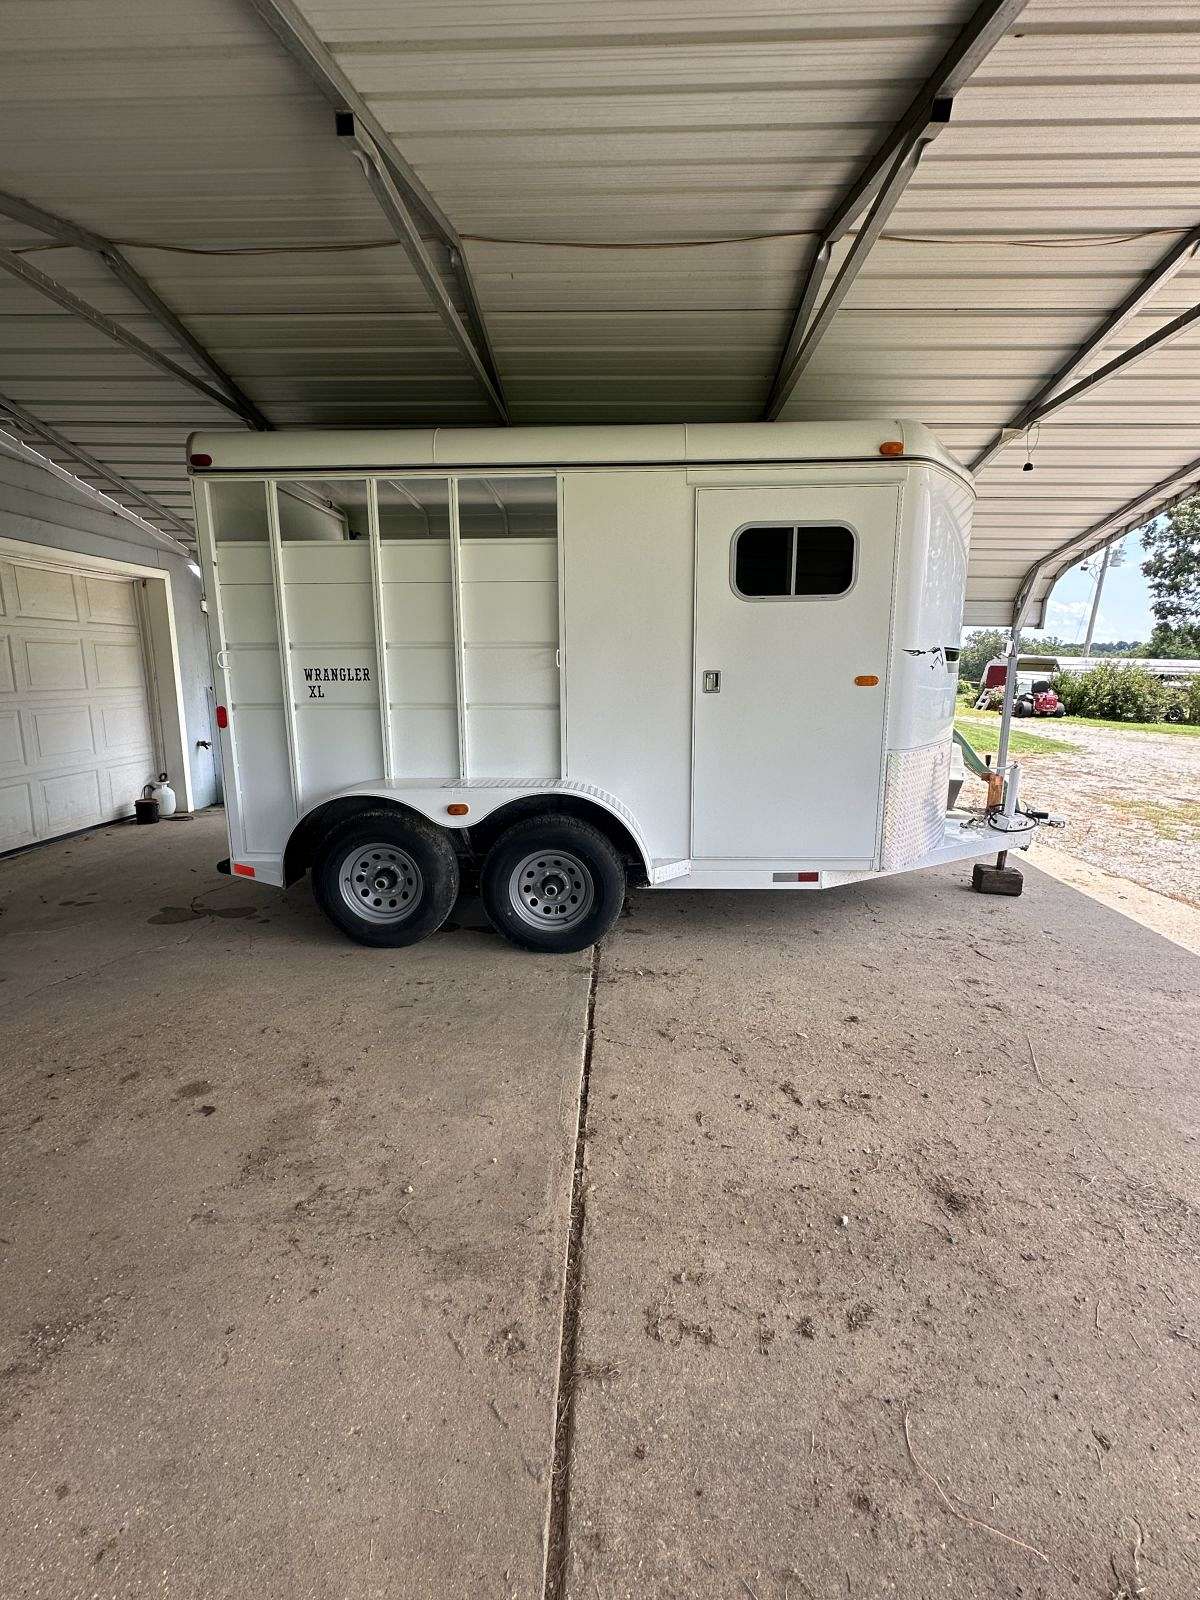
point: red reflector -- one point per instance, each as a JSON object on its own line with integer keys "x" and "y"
{"x": 807, "y": 877}
{"x": 222, "y": 717}
{"x": 242, "y": 870}
{"x": 200, "y": 459}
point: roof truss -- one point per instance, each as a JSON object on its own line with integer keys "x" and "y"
{"x": 808, "y": 328}
{"x": 24, "y": 422}
{"x": 400, "y": 193}
{"x": 18, "y": 267}
{"x": 880, "y": 185}
{"x": 227, "y": 393}
{"x": 1135, "y": 513}
{"x": 402, "y": 221}
{"x": 1053, "y": 394}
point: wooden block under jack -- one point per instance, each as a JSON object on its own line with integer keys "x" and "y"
{"x": 988, "y": 879}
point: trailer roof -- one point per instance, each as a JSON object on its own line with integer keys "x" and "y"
{"x": 350, "y": 449}
{"x": 981, "y": 213}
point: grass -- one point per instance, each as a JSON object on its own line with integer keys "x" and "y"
{"x": 985, "y": 737}
{"x": 1186, "y": 728}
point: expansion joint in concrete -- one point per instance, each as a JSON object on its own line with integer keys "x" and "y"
{"x": 557, "y": 1540}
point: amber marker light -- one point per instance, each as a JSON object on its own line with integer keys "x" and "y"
{"x": 457, "y": 810}
{"x": 892, "y": 447}
{"x": 868, "y": 680}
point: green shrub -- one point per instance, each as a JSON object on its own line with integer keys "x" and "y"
{"x": 1191, "y": 702}
{"x": 1071, "y": 690}
{"x": 1114, "y": 694}
{"x": 1174, "y": 704}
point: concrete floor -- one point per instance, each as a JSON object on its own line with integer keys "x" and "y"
{"x": 284, "y": 1226}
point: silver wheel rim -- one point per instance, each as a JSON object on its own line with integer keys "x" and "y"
{"x": 551, "y": 889}
{"x": 380, "y": 883}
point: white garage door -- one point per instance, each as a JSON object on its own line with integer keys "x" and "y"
{"x": 76, "y": 739}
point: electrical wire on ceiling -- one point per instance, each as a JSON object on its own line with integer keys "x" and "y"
{"x": 1082, "y": 241}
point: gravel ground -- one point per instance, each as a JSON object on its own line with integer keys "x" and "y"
{"x": 1132, "y": 802}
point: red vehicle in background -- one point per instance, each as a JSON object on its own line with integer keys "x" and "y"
{"x": 1035, "y": 697}
{"x": 1039, "y": 700}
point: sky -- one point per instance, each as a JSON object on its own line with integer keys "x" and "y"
{"x": 1124, "y": 605}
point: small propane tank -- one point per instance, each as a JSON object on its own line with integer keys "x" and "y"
{"x": 145, "y": 807}
{"x": 165, "y": 795}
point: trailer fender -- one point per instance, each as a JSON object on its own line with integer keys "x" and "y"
{"x": 492, "y": 810}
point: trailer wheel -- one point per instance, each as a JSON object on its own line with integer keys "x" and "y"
{"x": 554, "y": 884}
{"x": 385, "y": 878}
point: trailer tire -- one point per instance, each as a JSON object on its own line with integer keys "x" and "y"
{"x": 415, "y": 887}
{"x": 553, "y": 884}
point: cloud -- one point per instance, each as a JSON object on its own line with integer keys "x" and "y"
{"x": 1068, "y": 610}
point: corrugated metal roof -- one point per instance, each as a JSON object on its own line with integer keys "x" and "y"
{"x": 551, "y": 132}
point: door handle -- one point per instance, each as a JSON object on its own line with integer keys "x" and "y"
{"x": 710, "y": 681}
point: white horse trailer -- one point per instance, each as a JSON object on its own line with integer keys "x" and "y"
{"x": 559, "y": 660}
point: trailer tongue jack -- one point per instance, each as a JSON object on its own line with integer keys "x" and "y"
{"x": 1001, "y": 878}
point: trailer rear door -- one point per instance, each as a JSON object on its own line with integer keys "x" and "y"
{"x": 793, "y": 600}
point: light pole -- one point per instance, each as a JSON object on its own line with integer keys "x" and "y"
{"x": 1113, "y": 557}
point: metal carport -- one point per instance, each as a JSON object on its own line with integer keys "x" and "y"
{"x": 885, "y": 1247}
{"x": 251, "y": 211}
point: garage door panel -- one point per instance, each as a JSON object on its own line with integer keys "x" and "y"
{"x": 60, "y": 731}
{"x": 54, "y": 665}
{"x": 16, "y": 816}
{"x": 12, "y": 746}
{"x": 125, "y": 728}
{"x": 72, "y": 800}
{"x": 118, "y": 665}
{"x": 125, "y": 783}
{"x": 106, "y": 600}
{"x": 46, "y": 595}
{"x": 77, "y": 734}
